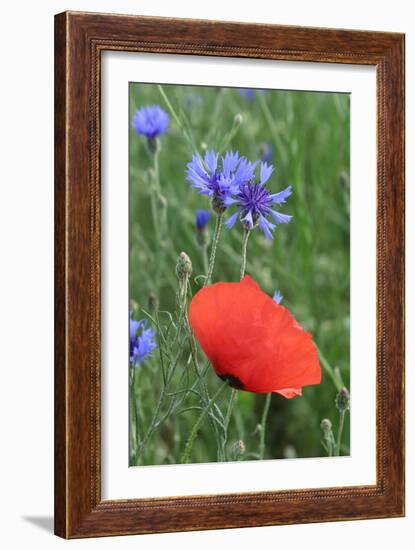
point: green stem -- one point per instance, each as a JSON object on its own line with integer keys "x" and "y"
{"x": 137, "y": 423}
{"x": 330, "y": 371}
{"x": 329, "y": 442}
{"x": 193, "y": 434}
{"x": 340, "y": 432}
{"x": 229, "y": 136}
{"x": 233, "y": 394}
{"x": 264, "y": 417}
{"x": 228, "y": 416}
{"x": 133, "y": 418}
{"x": 154, "y": 195}
{"x": 154, "y": 421}
{"x": 155, "y": 191}
{"x": 202, "y": 383}
{"x": 179, "y": 122}
{"x": 205, "y": 260}
{"x": 215, "y": 240}
{"x": 163, "y": 208}
{"x": 270, "y": 121}
{"x": 245, "y": 238}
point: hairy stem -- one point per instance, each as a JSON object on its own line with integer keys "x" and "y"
{"x": 215, "y": 240}
{"x": 205, "y": 259}
{"x": 185, "y": 459}
{"x": 245, "y": 238}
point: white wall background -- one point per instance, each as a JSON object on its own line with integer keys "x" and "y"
{"x": 26, "y": 269}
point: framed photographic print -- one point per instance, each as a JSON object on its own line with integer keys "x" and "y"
{"x": 229, "y": 280}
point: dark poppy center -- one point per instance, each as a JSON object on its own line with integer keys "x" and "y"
{"x": 234, "y": 381}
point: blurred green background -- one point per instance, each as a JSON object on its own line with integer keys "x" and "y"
{"x": 307, "y": 134}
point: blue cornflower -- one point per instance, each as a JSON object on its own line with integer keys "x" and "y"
{"x": 277, "y": 297}
{"x": 247, "y": 93}
{"x": 202, "y": 219}
{"x": 150, "y": 121}
{"x": 220, "y": 179}
{"x": 254, "y": 203}
{"x": 141, "y": 341}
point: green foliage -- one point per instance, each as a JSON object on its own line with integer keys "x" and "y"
{"x": 308, "y": 261}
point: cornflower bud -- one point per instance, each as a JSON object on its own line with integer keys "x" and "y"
{"x": 343, "y": 400}
{"x": 183, "y": 266}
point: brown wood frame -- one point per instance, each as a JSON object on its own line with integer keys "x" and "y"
{"x": 79, "y": 40}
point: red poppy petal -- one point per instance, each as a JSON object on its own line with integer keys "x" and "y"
{"x": 251, "y": 339}
{"x": 287, "y": 356}
{"x": 249, "y": 281}
{"x": 290, "y": 392}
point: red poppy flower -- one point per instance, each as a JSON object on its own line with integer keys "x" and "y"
{"x": 252, "y": 341}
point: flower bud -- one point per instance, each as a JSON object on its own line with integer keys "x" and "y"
{"x": 289, "y": 451}
{"x": 238, "y": 119}
{"x": 326, "y": 425}
{"x": 343, "y": 400}
{"x": 183, "y": 266}
{"x": 328, "y": 437}
{"x": 238, "y": 450}
{"x": 153, "y": 301}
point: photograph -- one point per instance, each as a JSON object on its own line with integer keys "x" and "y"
{"x": 229, "y": 274}
{"x": 239, "y": 274}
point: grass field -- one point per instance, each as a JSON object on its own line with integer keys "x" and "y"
{"x": 305, "y": 135}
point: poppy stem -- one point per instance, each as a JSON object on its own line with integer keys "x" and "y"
{"x": 228, "y": 416}
{"x": 214, "y": 247}
{"x": 245, "y": 238}
{"x": 193, "y": 434}
{"x": 264, "y": 417}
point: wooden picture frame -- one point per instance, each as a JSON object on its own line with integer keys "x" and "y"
{"x": 79, "y": 40}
